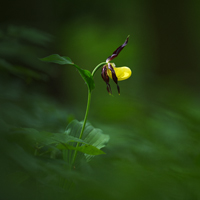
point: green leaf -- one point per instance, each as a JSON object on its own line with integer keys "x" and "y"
{"x": 63, "y": 60}
{"x": 45, "y": 138}
{"x": 91, "y": 136}
{"x": 90, "y": 150}
{"x": 87, "y": 77}
{"x": 64, "y": 138}
{"x": 55, "y": 58}
{"x": 60, "y": 140}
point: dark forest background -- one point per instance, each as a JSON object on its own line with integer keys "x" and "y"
{"x": 154, "y": 148}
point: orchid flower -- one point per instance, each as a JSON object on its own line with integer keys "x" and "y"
{"x": 115, "y": 73}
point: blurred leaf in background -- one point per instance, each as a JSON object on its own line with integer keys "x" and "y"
{"x": 19, "y": 47}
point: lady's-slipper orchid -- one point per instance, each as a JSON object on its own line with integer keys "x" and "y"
{"x": 115, "y": 73}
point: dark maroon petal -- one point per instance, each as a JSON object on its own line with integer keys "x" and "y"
{"x": 117, "y": 51}
{"x": 105, "y": 77}
{"x": 115, "y": 79}
{"x": 104, "y": 74}
{"x": 113, "y": 73}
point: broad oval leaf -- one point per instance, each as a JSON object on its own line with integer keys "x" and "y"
{"x": 91, "y": 136}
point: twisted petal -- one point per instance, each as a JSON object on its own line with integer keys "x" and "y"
{"x": 122, "y": 73}
{"x": 117, "y": 51}
{"x": 114, "y": 76}
{"x": 105, "y": 77}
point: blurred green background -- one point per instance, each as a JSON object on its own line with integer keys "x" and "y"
{"x": 154, "y": 150}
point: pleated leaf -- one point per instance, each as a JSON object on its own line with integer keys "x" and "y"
{"x": 92, "y": 136}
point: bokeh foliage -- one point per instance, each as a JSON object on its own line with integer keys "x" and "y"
{"x": 154, "y": 150}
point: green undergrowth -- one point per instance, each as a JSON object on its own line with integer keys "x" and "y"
{"x": 157, "y": 158}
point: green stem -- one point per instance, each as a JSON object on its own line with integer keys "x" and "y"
{"x": 97, "y": 67}
{"x": 86, "y": 113}
{"x": 83, "y": 127}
